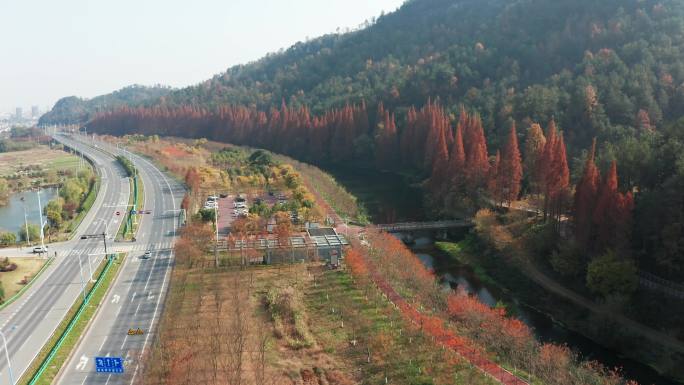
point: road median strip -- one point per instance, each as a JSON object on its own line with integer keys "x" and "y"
{"x": 129, "y": 226}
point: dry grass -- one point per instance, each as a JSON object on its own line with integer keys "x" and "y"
{"x": 219, "y": 328}
{"x": 41, "y": 156}
{"x": 26, "y": 267}
{"x": 213, "y": 315}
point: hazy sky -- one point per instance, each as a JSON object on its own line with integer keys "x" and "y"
{"x": 56, "y": 48}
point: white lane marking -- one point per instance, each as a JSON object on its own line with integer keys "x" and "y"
{"x": 133, "y": 296}
{"x": 154, "y": 315}
{"x": 154, "y": 263}
{"x": 135, "y": 373}
{"x": 116, "y": 298}
{"x": 124, "y": 342}
{"x": 150, "y": 296}
{"x": 82, "y": 363}
{"x": 166, "y": 275}
{"x": 14, "y": 313}
{"x": 103, "y": 343}
{"x": 137, "y": 308}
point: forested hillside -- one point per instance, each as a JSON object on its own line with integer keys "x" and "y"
{"x": 75, "y": 110}
{"x": 597, "y": 67}
{"x": 392, "y": 95}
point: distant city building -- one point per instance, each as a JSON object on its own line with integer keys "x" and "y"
{"x": 19, "y": 114}
{"x": 35, "y": 111}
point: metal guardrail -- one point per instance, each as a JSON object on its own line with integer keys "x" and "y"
{"x": 407, "y": 226}
{"x": 653, "y": 282}
{"x": 46, "y": 362}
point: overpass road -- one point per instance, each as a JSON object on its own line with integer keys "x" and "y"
{"x": 30, "y": 321}
{"x": 136, "y": 298}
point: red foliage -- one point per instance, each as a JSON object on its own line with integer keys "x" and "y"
{"x": 457, "y": 156}
{"x": 386, "y": 141}
{"x": 356, "y": 263}
{"x": 477, "y": 160}
{"x": 440, "y": 167}
{"x": 511, "y": 168}
{"x": 193, "y": 179}
{"x": 586, "y": 194}
{"x": 613, "y": 213}
{"x": 185, "y": 204}
{"x": 389, "y": 261}
{"x": 554, "y": 172}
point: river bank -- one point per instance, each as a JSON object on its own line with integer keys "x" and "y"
{"x": 552, "y": 318}
{"x": 22, "y": 208}
{"x": 384, "y": 194}
{"x": 59, "y": 209}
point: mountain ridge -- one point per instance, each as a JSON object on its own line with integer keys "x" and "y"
{"x": 76, "y": 110}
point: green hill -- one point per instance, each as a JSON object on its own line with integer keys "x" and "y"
{"x": 75, "y": 110}
{"x": 611, "y": 69}
{"x": 591, "y": 65}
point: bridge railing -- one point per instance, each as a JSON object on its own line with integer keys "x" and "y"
{"x": 425, "y": 225}
{"x": 654, "y": 282}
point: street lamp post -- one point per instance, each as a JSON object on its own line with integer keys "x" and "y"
{"x": 216, "y": 262}
{"x": 9, "y": 364}
{"x": 40, "y": 217}
{"x": 80, "y": 267}
{"x": 28, "y": 240}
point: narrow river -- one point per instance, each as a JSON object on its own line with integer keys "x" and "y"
{"x": 388, "y": 199}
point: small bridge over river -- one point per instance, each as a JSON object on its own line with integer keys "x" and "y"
{"x": 415, "y": 226}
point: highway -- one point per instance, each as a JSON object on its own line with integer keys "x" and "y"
{"x": 30, "y": 321}
{"x": 136, "y": 298}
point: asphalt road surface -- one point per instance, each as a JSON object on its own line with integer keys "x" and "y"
{"x": 29, "y": 322}
{"x": 136, "y": 298}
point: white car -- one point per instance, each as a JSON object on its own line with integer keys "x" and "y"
{"x": 40, "y": 249}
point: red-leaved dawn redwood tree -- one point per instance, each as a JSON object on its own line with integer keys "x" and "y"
{"x": 511, "y": 171}
{"x": 586, "y": 194}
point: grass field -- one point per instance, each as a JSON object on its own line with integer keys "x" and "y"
{"x": 41, "y": 156}
{"x": 26, "y": 267}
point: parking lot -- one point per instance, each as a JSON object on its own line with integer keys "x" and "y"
{"x": 226, "y": 214}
